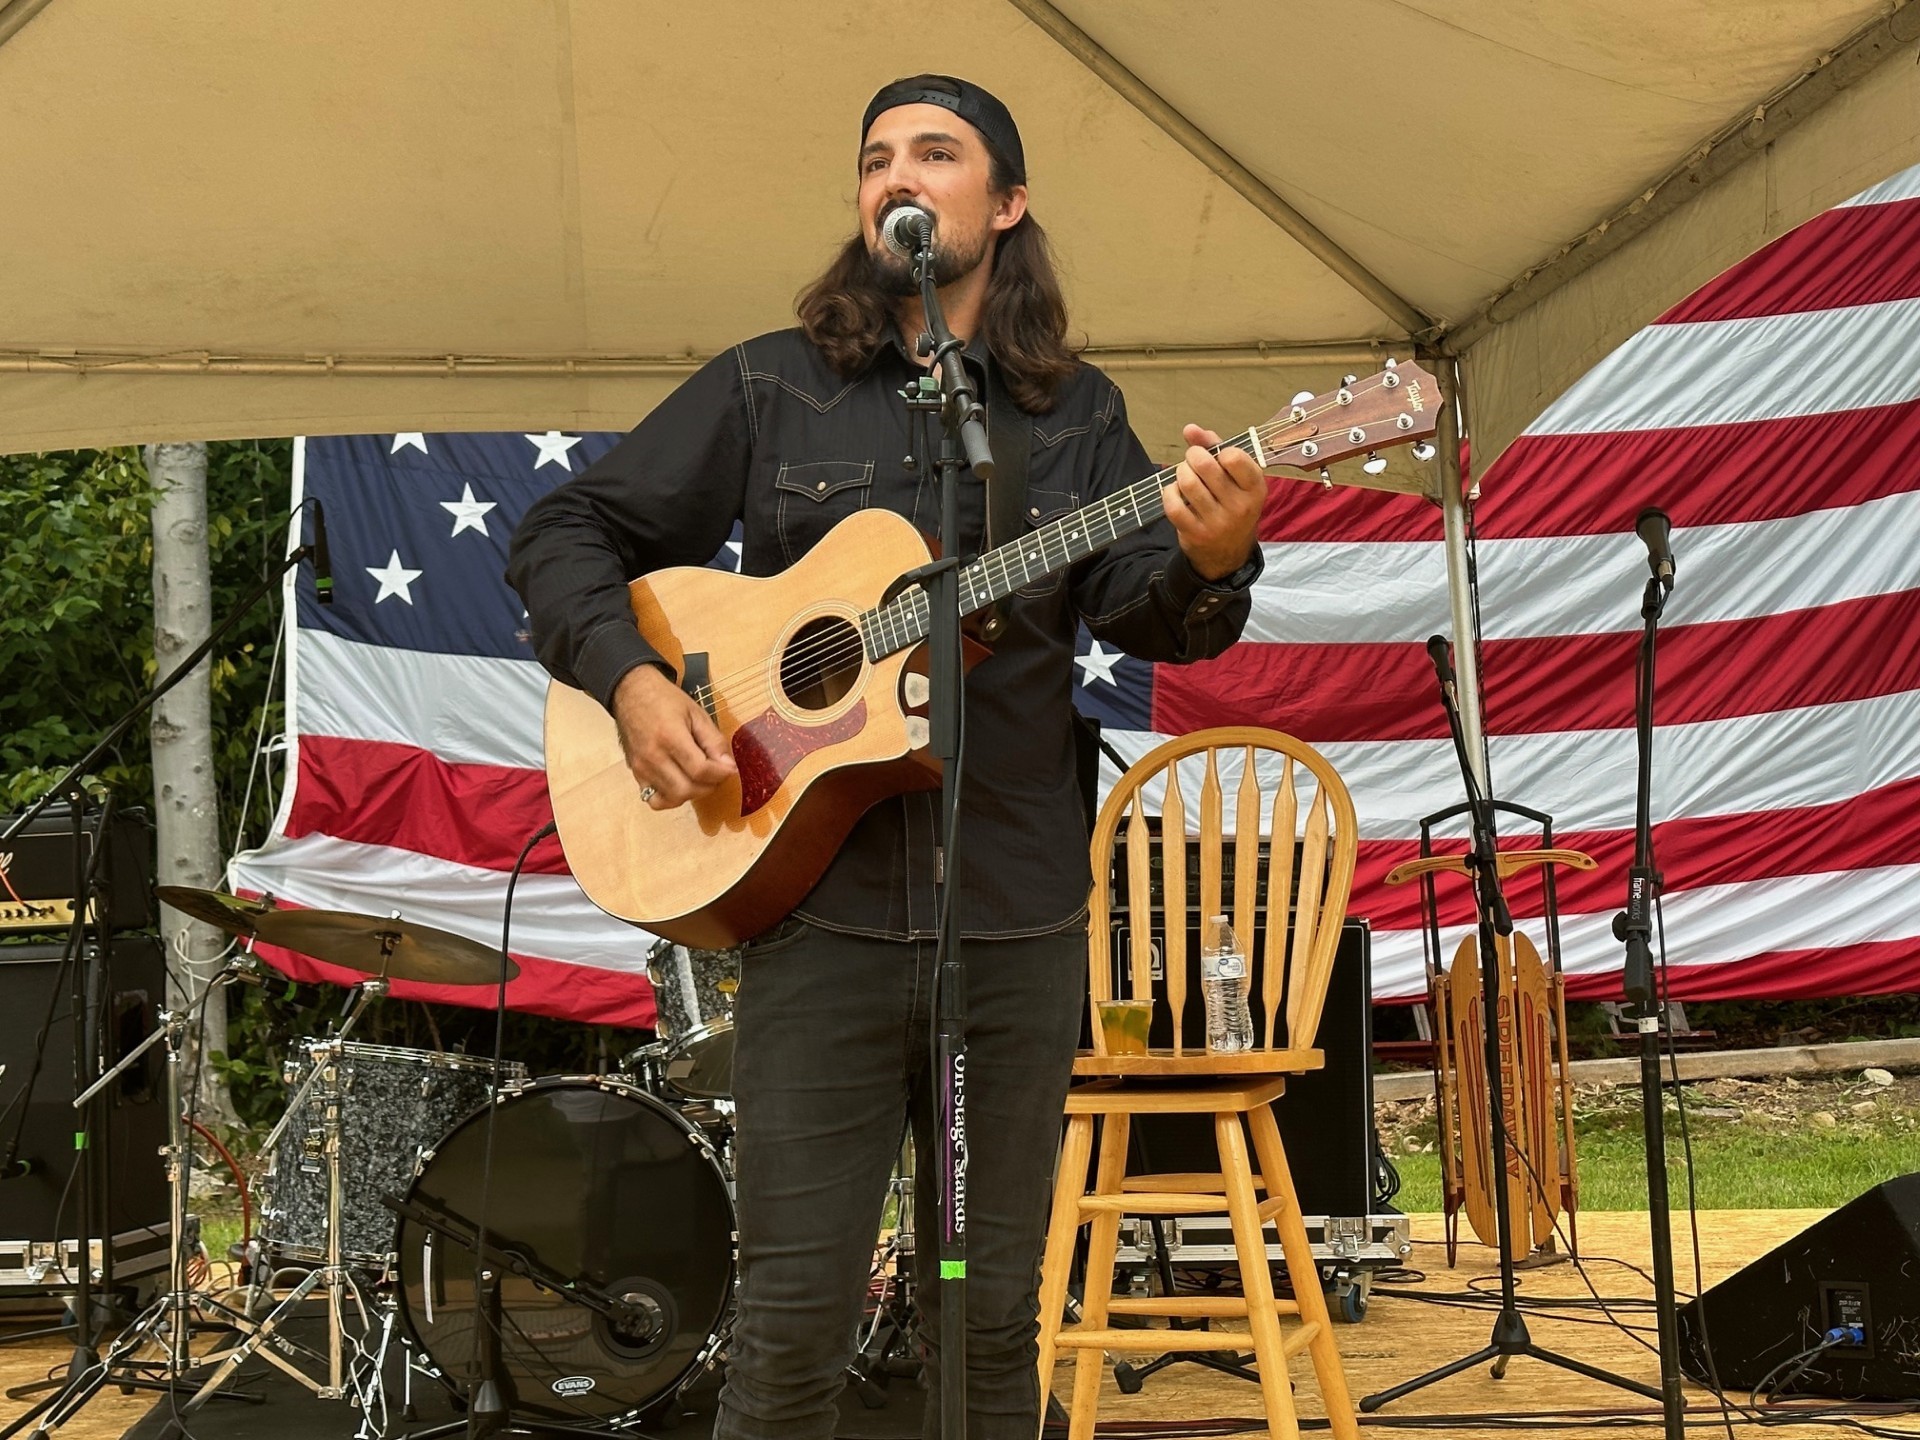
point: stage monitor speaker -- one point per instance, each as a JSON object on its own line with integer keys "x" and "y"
{"x": 37, "y": 1220}
{"x": 1858, "y": 1267}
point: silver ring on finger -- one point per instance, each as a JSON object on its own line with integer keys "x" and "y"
{"x": 647, "y": 792}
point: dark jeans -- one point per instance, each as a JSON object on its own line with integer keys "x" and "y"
{"x": 831, "y": 1062}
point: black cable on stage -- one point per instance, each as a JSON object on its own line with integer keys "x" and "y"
{"x": 493, "y": 1107}
{"x": 1686, "y": 1149}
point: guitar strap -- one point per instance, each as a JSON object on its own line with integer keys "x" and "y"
{"x": 1010, "y": 436}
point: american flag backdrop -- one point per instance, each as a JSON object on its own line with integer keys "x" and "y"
{"x": 1774, "y": 413}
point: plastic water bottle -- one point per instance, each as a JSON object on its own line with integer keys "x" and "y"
{"x": 1224, "y": 983}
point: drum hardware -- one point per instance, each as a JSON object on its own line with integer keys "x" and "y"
{"x": 636, "y": 1317}
{"x": 887, "y": 1349}
{"x": 263, "y": 1336}
{"x": 383, "y": 949}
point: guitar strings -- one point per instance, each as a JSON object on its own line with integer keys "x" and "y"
{"x": 845, "y": 648}
{"x": 817, "y": 659}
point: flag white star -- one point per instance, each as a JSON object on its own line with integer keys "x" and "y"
{"x": 414, "y": 438}
{"x": 394, "y": 579}
{"x": 1097, "y": 664}
{"x": 553, "y": 449}
{"x": 469, "y": 513}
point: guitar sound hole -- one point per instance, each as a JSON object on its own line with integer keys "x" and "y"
{"x": 821, "y": 663}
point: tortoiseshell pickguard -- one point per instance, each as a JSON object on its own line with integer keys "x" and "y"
{"x": 767, "y": 748}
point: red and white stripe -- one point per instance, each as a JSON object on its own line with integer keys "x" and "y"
{"x": 1775, "y": 415}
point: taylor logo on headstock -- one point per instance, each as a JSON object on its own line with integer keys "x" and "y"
{"x": 1414, "y": 399}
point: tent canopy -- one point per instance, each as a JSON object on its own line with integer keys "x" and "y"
{"x": 236, "y": 220}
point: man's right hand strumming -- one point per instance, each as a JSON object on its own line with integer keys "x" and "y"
{"x": 675, "y": 751}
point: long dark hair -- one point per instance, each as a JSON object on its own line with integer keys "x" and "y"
{"x": 846, "y": 311}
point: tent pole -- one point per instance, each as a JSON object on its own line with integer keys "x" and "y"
{"x": 1453, "y": 511}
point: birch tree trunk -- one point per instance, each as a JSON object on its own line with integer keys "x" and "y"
{"x": 186, "y": 802}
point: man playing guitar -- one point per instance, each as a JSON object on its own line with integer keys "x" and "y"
{"x": 787, "y": 434}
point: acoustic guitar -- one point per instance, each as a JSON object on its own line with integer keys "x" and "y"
{"x": 816, "y": 679}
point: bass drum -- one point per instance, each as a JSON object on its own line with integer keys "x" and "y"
{"x": 598, "y": 1185}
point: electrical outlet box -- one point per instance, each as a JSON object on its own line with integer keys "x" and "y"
{"x": 1844, "y": 1303}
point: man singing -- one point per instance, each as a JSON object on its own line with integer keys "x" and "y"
{"x": 787, "y": 434}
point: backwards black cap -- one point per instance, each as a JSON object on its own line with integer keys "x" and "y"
{"x": 965, "y": 99}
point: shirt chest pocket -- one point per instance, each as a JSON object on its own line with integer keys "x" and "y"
{"x": 810, "y": 497}
{"x": 1043, "y": 546}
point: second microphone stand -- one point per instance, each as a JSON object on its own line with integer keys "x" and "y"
{"x": 1510, "y": 1336}
{"x": 1634, "y": 926}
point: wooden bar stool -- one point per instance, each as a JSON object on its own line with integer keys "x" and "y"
{"x": 1288, "y": 790}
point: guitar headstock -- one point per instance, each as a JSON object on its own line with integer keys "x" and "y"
{"x": 1400, "y": 405}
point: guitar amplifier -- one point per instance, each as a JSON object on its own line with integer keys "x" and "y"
{"x": 37, "y": 872}
{"x": 38, "y": 1248}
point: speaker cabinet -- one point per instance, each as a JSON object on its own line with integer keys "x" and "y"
{"x": 1326, "y": 1118}
{"x": 37, "y": 1216}
{"x": 1858, "y": 1267}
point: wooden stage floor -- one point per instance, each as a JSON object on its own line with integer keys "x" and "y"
{"x": 1399, "y": 1338}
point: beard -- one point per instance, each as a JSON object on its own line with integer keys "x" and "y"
{"x": 952, "y": 260}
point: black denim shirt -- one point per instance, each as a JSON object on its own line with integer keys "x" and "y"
{"x": 768, "y": 434}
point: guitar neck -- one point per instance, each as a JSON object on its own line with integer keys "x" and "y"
{"x": 907, "y": 619}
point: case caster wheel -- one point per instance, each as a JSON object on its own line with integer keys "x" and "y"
{"x": 1349, "y": 1302}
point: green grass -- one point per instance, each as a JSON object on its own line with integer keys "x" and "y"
{"x": 1738, "y": 1164}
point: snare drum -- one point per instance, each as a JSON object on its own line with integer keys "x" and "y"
{"x": 693, "y": 992}
{"x": 395, "y": 1104}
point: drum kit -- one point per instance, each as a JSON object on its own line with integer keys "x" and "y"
{"x": 569, "y": 1238}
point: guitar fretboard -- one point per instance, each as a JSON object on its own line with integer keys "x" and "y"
{"x": 907, "y": 618}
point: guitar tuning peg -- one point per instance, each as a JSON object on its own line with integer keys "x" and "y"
{"x": 1326, "y": 478}
{"x": 1392, "y": 364}
{"x": 1423, "y": 451}
{"x": 1302, "y": 398}
{"x": 1349, "y": 379}
{"x": 1374, "y": 463}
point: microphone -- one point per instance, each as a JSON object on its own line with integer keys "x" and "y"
{"x": 907, "y": 231}
{"x": 1653, "y": 526}
{"x": 322, "y": 561}
{"x": 1442, "y": 662}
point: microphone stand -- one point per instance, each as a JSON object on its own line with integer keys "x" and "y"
{"x": 951, "y": 395}
{"x": 1510, "y": 1336}
{"x": 1634, "y": 926}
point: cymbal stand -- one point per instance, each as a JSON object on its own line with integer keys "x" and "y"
{"x": 263, "y": 1336}
{"x": 887, "y": 1350}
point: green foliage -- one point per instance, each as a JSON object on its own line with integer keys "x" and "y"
{"x": 76, "y": 616}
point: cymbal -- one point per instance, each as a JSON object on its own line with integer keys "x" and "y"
{"x": 397, "y": 948}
